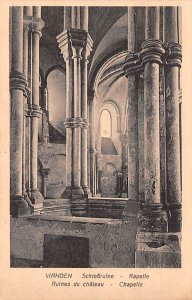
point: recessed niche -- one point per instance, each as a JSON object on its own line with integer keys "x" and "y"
{"x": 65, "y": 251}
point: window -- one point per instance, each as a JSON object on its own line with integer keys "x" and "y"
{"x": 105, "y": 124}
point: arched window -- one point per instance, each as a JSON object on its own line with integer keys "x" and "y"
{"x": 105, "y": 124}
{"x": 56, "y": 99}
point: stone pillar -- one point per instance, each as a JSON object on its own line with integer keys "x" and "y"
{"x": 84, "y": 111}
{"x": 27, "y": 28}
{"x": 18, "y": 86}
{"x": 67, "y": 54}
{"x": 124, "y": 143}
{"x": 78, "y": 201}
{"x": 75, "y": 44}
{"x": 36, "y": 197}
{"x": 45, "y": 173}
{"x": 92, "y": 149}
{"x": 152, "y": 217}
{"x": 28, "y": 108}
{"x": 133, "y": 174}
{"x": 172, "y": 119}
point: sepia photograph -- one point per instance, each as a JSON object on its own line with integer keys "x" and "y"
{"x": 97, "y": 147}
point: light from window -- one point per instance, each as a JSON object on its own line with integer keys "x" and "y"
{"x": 105, "y": 123}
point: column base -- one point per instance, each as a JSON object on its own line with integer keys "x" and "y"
{"x": 152, "y": 218}
{"x": 61, "y": 207}
{"x": 28, "y": 194}
{"x": 174, "y": 212}
{"x": 157, "y": 250}
{"x": 87, "y": 192}
{"x": 77, "y": 193}
{"x": 36, "y": 197}
{"x": 123, "y": 195}
{"x": 79, "y": 202}
{"x": 19, "y": 206}
{"x": 67, "y": 193}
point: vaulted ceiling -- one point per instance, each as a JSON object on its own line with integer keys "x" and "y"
{"x": 101, "y": 20}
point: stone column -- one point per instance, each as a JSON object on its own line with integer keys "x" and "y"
{"x": 133, "y": 174}
{"x": 172, "y": 119}
{"x": 18, "y": 86}
{"x": 45, "y": 173}
{"x": 75, "y": 46}
{"x": 36, "y": 197}
{"x": 77, "y": 38}
{"x": 28, "y": 108}
{"x": 92, "y": 149}
{"x": 84, "y": 112}
{"x": 27, "y": 28}
{"x": 124, "y": 143}
{"x": 152, "y": 218}
{"x": 67, "y": 54}
{"x": 72, "y": 54}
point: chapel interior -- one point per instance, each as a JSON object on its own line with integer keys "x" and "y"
{"x": 95, "y": 136}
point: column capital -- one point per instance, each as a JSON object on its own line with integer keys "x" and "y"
{"x": 63, "y": 40}
{"x": 152, "y": 51}
{"x": 35, "y": 111}
{"x": 174, "y": 54}
{"x": 87, "y": 47}
{"x": 18, "y": 81}
{"x": 37, "y": 25}
{"x": 27, "y": 22}
{"x": 132, "y": 64}
{"x": 27, "y": 92}
{"x": 77, "y": 37}
{"x": 76, "y": 122}
{"x": 28, "y": 110}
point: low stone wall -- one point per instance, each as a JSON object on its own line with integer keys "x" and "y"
{"x": 111, "y": 242}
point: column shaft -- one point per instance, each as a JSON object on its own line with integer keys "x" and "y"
{"x": 84, "y": 135}
{"x": 151, "y": 133}
{"x": 152, "y": 218}
{"x": 92, "y": 143}
{"x": 27, "y": 11}
{"x": 18, "y": 85}
{"x": 34, "y": 154}
{"x": 69, "y": 131}
{"x": 173, "y": 141}
{"x": 77, "y": 114}
{"x": 16, "y": 138}
{"x": 75, "y": 17}
{"x": 67, "y": 17}
{"x": 28, "y": 119}
{"x": 84, "y": 18}
{"x": 17, "y": 39}
{"x": 133, "y": 174}
{"x": 17, "y": 103}
{"x": 152, "y": 26}
{"x": 36, "y": 196}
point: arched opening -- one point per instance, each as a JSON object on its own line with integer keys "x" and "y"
{"x": 108, "y": 181}
{"x": 105, "y": 124}
{"x": 56, "y": 105}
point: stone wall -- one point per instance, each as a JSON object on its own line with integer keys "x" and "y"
{"x": 111, "y": 242}
{"x": 53, "y": 157}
